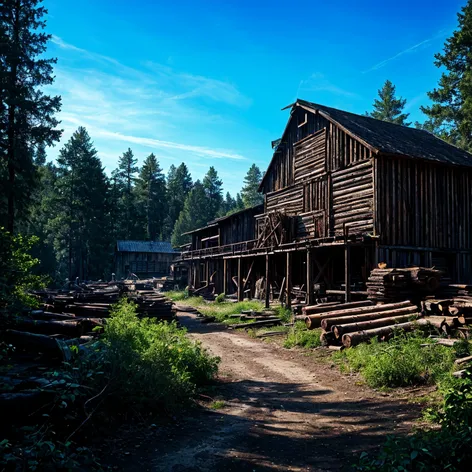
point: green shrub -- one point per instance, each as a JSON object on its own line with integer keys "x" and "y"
{"x": 220, "y": 298}
{"x": 400, "y": 362}
{"x": 177, "y": 295}
{"x": 152, "y": 363}
{"x": 300, "y": 336}
{"x": 449, "y": 448}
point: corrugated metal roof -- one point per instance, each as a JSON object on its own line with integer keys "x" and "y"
{"x": 145, "y": 246}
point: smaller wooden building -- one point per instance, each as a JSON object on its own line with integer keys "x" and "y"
{"x": 144, "y": 258}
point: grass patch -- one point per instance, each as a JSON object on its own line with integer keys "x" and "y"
{"x": 300, "y": 336}
{"x": 217, "y": 405}
{"x": 401, "y": 362}
{"x": 177, "y": 295}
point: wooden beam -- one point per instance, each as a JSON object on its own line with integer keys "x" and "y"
{"x": 347, "y": 266}
{"x": 267, "y": 282}
{"x": 288, "y": 281}
{"x": 247, "y": 276}
{"x": 240, "y": 284}
{"x": 225, "y": 276}
{"x": 207, "y": 272}
{"x": 309, "y": 279}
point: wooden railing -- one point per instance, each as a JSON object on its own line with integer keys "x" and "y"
{"x": 228, "y": 249}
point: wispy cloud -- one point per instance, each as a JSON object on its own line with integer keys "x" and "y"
{"x": 318, "y": 82}
{"x": 416, "y": 47}
{"x": 154, "y": 107}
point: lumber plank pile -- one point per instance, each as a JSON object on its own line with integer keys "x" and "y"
{"x": 391, "y": 285}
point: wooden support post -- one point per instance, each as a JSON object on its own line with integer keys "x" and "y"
{"x": 267, "y": 283}
{"x": 288, "y": 281}
{"x": 190, "y": 274}
{"x": 309, "y": 279}
{"x": 240, "y": 282}
{"x": 347, "y": 266}
{"x": 207, "y": 272}
{"x": 225, "y": 276}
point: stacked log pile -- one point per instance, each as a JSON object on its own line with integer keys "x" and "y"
{"x": 391, "y": 285}
{"x": 350, "y": 324}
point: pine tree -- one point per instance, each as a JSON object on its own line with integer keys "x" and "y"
{"x": 228, "y": 206}
{"x": 213, "y": 191}
{"x": 126, "y": 176}
{"x": 26, "y": 113}
{"x": 194, "y": 214}
{"x": 389, "y": 108}
{"x": 179, "y": 184}
{"x": 78, "y": 226}
{"x": 249, "y": 193}
{"x": 151, "y": 198}
{"x": 450, "y": 115}
{"x": 239, "y": 203}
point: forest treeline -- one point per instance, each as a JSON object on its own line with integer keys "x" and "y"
{"x": 78, "y": 212}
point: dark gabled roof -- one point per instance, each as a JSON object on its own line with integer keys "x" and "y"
{"x": 253, "y": 208}
{"x": 389, "y": 138}
{"x": 145, "y": 246}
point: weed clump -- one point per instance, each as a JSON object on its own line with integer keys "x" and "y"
{"x": 401, "y": 362}
{"x": 300, "y": 336}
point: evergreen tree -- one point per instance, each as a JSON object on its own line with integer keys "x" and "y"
{"x": 389, "y": 108}
{"x": 126, "y": 172}
{"x": 194, "y": 214}
{"x": 228, "y": 205}
{"x": 450, "y": 115}
{"x": 80, "y": 195}
{"x": 213, "y": 191}
{"x": 151, "y": 198}
{"x": 179, "y": 184}
{"x": 249, "y": 192}
{"x": 239, "y": 203}
{"x": 26, "y": 113}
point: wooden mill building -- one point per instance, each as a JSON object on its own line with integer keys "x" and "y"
{"x": 342, "y": 193}
{"x": 144, "y": 258}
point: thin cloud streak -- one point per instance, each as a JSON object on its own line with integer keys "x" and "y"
{"x": 411, "y": 49}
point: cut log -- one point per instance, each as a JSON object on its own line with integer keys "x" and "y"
{"x": 37, "y": 343}
{"x": 463, "y": 360}
{"x": 315, "y": 309}
{"x": 68, "y": 328}
{"x": 314, "y": 321}
{"x": 47, "y": 315}
{"x": 353, "y": 339}
{"x": 16, "y": 405}
{"x": 339, "y": 330}
{"x": 328, "y": 323}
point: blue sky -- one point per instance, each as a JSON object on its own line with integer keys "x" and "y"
{"x": 203, "y": 82}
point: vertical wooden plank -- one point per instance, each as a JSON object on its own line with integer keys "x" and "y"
{"x": 288, "y": 281}
{"x": 347, "y": 266}
{"x": 309, "y": 278}
{"x": 225, "y": 276}
{"x": 240, "y": 282}
{"x": 267, "y": 282}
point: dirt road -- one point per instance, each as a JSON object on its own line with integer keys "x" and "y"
{"x": 283, "y": 411}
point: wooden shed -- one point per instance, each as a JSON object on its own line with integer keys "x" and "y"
{"x": 144, "y": 258}
{"x": 344, "y": 192}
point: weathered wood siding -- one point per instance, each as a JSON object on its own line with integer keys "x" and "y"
{"x": 341, "y": 149}
{"x": 239, "y": 227}
{"x": 423, "y": 204}
{"x": 352, "y": 202}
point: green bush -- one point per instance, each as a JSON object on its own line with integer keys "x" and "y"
{"x": 399, "y": 363}
{"x": 177, "y": 296}
{"x": 449, "y": 448}
{"x": 300, "y": 336}
{"x": 152, "y": 363}
{"x": 220, "y": 298}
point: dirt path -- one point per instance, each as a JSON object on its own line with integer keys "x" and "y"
{"x": 283, "y": 411}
